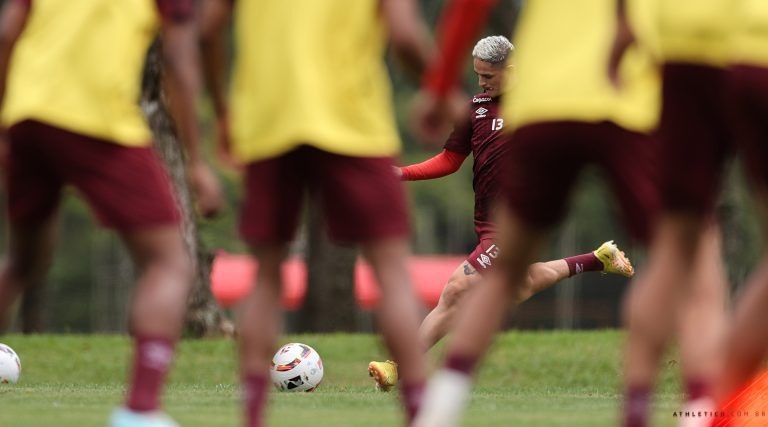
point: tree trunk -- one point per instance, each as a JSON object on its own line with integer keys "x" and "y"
{"x": 329, "y": 305}
{"x": 204, "y": 316}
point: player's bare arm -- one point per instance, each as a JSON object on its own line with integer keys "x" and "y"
{"x": 214, "y": 20}
{"x": 459, "y": 24}
{"x": 182, "y": 82}
{"x": 623, "y": 39}
{"x": 440, "y": 103}
{"x": 12, "y": 20}
{"x": 215, "y": 17}
{"x": 408, "y": 35}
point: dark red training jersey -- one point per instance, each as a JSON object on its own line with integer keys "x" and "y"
{"x": 482, "y": 135}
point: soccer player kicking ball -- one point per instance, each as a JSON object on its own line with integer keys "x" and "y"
{"x": 482, "y": 135}
{"x": 70, "y": 76}
{"x": 311, "y": 111}
{"x": 565, "y": 114}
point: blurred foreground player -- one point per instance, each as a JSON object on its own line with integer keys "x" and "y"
{"x": 481, "y": 134}
{"x": 575, "y": 104}
{"x": 565, "y": 114}
{"x": 70, "y": 76}
{"x": 311, "y": 110}
{"x": 692, "y": 38}
{"x": 747, "y": 341}
{"x": 717, "y": 86}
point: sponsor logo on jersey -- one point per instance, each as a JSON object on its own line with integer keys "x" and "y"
{"x": 480, "y": 112}
{"x": 476, "y": 100}
{"x": 485, "y": 259}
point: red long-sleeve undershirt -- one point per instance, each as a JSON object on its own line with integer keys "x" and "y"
{"x": 459, "y": 24}
{"x": 445, "y": 163}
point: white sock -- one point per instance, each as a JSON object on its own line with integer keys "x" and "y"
{"x": 445, "y": 399}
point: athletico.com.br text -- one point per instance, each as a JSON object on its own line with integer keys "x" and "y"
{"x": 720, "y": 414}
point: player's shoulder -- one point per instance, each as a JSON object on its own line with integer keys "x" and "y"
{"x": 481, "y": 98}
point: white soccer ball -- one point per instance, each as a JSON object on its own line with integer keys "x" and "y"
{"x": 10, "y": 365}
{"x": 296, "y": 367}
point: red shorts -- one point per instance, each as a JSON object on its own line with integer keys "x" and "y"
{"x": 484, "y": 254}
{"x": 749, "y": 92}
{"x": 694, "y": 136}
{"x": 127, "y": 187}
{"x": 545, "y": 160}
{"x": 361, "y": 197}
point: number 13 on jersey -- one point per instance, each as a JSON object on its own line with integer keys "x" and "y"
{"x": 497, "y": 124}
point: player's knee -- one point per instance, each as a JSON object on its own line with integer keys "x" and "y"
{"x": 453, "y": 292}
{"x": 637, "y": 313}
{"x": 524, "y": 290}
{"x": 175, "y": 264}
{"x": 680, "y": 236}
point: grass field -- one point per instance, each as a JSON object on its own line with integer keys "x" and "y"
{"x": 529, "y": 379}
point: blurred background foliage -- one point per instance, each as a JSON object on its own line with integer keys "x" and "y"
{"x": 89, "y": 284}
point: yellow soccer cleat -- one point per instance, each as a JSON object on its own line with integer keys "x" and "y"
{"x": 614, "y": 260}
{"x": 385, "y": 374}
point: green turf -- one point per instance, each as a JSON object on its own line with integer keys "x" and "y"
{"x": 529, "y": 379}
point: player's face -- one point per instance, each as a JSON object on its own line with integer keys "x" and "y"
{"x": 490, "y": 77}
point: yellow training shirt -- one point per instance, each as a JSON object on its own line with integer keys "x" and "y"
{"x": 696, "y": 31}
{"x": 311, "y": 72}
{"x": 78, "y": 64}
{"x": 561, "y": 61}
{"x": 750, "y": 32}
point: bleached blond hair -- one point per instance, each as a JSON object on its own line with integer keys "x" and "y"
{"x": 493, "y": 49}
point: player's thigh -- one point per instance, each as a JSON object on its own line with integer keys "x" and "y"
{"x": 141, "y": 198}
{"x": 543, "y": 162}
{"x": 126, "y": 187}
{"x": 32, "y": 183}
{"x": 462, "y": 280}
{"x": 749, "y": 97}
{"x": 694, "y": 137}
{"x": 629, "y": 162}
{"x": 31, "y": 246}
{"x": 749, "y": 103}
{"x": 273, "y": 192}
{"x": 155, "y": 246}
{"x": 482, "y": 259}
{"x": 362, "y": 198}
